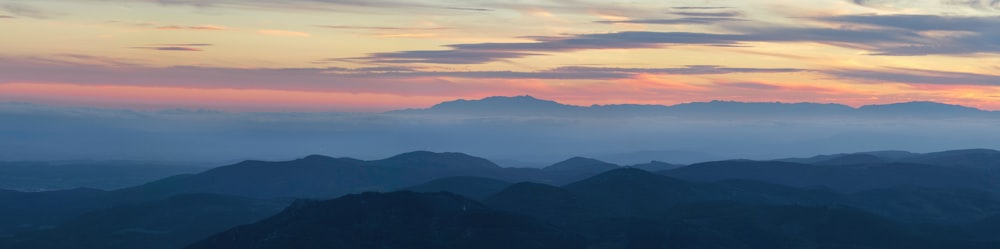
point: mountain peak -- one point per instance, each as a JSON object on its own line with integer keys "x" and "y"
{"x": 523, "y": 100}
{"x": 315, "y": 157}
{"x": 427, "y": 159}
{"x": 499, "y": 105}
{"x": 582, "y": 164}
{"x": 514, "y": 98}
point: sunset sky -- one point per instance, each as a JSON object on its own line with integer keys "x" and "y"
{"x": 377, "y": 55}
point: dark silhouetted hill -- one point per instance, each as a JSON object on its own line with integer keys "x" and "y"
{"x": 393, "y": 220}
{"x": 736, "y": 225}
{"x": 637, "y": 192}
{"x": 29, "y": 211}
{"x": 105, "y": 175}
{"x": 669, "y": 156}
{"x": 929, "y": 205}
{"x": 654, "y": 166}
{"x": 630, "y": 208}
{"x": 312, "y": 176}
{"x": 972, "y": 158}
{"x": 165, "y": 224}
{"x": 546, "y": 202}
{"x": 885, "y": 156}
{"x": 309, "y": 177}
{"x": 426, "y": 160}
{"x": 581, "y": 164}
{"x": 320, "y": 176}
{"x": 852, "y": 159}
{"x": 472, "y": 187}
{"x": 935, "y": 201}
{"x": 847, "y": 178}
{"x": 985, "y": 159}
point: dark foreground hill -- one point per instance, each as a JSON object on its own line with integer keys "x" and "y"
{"x": 443, "y": 220}
{"x": 468, "y": 186}
{"x": 164, "y": 224}
{"x": 393, "y": 220}
{"x": 25, "y": 211}
{"x": 629, "y": 208}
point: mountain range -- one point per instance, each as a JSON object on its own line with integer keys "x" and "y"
{"x": 927, "y": 200}
{"x": 530, "y": 106}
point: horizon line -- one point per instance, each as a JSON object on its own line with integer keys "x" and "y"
{"x": 390, "y": 110}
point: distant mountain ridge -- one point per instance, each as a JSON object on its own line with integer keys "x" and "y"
{"x": 528, "y": 105}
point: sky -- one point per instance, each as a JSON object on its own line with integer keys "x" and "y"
{"x": 378, "y": 55}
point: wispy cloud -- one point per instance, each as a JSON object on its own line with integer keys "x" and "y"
{"x": 881, "y": 4}
{"x": 70, "y": 60}
{"x": 187, "y": 49}
{"x": 163, "y": 26}
{"x": 184, "y": 47}
{"x": 275, "y": 32}
{"x": 378, "y": 27}
{"x": 468, "y": 9}
{"x": 968, "y": 34}
{"x": 686, "y": 20}
{"x": 713, "y": 13}
{"x": 296, "y": 5}
{"x": 751, "y": 85}
{"x": 442, "y": 56}
{"x": 188, "y": 44}
{"x": 690, "y": 70}
{"x": 700, "y": 7}
{"x": 20, "y": 9}
{"x": 920, "y": 22}
{"x": 365, "y": 79}
{"x": 199, "y": 27}
{"x": 990, "y": 5}
{"x": 916, "y": 76}
{"x": 476, "y": 53}
{"x": 6, "y": 17}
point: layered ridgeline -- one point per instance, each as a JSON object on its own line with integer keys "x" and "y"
{"x": 792, "y": 203}
{"x": 519, "y": 130}
{"x": 530, "y": 106}
{"x": 30, "y": 216}
{"x": 621, "y": 208}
